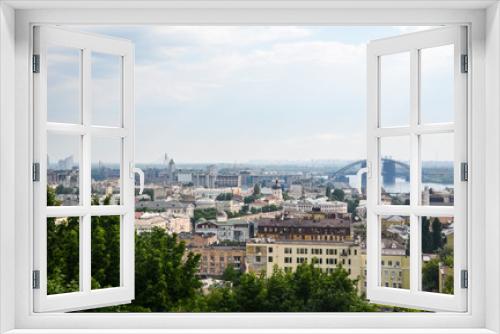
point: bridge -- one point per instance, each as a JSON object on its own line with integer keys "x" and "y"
{"x": 391, "y": 169}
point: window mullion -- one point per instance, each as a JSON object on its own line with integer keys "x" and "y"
{"x": 414, "y": 169}
{"x": 85, "y": 228}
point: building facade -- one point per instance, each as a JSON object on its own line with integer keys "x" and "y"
{"x": 330, "y": 229}
{"x": 263, "y": 255}
{"x": 228, "y": 181}
{"x": 215, "y": 259}
{"x": 231, "y": 230}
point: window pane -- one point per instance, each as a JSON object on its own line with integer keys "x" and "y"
{"x": 106, "y": 159}
{"x": 63, "y": 169}
{"x": 395, "y": 252}
{"x": 63, "y": 255}
{"x": 106, "y": 89}
{"x": 437, "y": 82}
{"x": 105, "y": 251}
{"x": 437, "y": 254}
{"x": 395, "y": 170}
{"x": 395, "y": 90}
{"x": 437, "y": 169}
{"x": 63, "y": 85}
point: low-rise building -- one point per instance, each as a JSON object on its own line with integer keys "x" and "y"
{"x": 232, "y": 230}
{"x": 215, "y": 259}
{"x": 169, "y": 207}
{"x": 179, "y": 224}
{"x": 329, "y": 229}
{"x": 230, "y": 206}
{"x": 205, "y": 203}
{"x": 315, "y": 205}
{"x": 196, "y": 240}
{"x": 147, "y": 221}
{"x": 432, "y": 196}
{"x": 264, "y": 254}
{"x": 394, "y": 266}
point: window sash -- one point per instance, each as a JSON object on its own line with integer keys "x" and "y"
{"x": 414, "y": 297}
{"x": 44, "y": 37}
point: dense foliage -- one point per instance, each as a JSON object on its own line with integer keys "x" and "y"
{"x": 210, "y": 213}
{"x": 432, "y": 235}
{"x": 308, "y": 289}
{"x": 224, "y": 197}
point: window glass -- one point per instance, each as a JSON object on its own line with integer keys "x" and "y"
{"x": 395, "y": 90}
{"x": 394, "y": 176}
{"x": 437, "y": 169}
{"x": 437, "y": 85}
{"x": 63, "y": 85}
{"x": 106, "y": 89}
{"x": 106, "y": 170}
{"x": 63, "y": 254}
{"x": 105, "y": 249}
{"x": 63, "y": 169}
{"x": 437, "y": 254}
{"x": 395, "y": 246}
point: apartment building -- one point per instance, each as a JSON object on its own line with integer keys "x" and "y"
{"x": 231, "y": 230}
{"x": 263, "y": 255}
{"x": 329, "y": 229}
{"x": 394, "y": 270}
{"x": 215, "y": 259}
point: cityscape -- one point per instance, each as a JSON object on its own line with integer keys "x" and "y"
{"x": 257, "y": 217}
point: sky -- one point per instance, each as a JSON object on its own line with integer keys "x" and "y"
{"x": 239, "y": 94}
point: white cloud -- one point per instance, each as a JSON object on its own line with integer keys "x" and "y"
{"x": 194, "y": 79}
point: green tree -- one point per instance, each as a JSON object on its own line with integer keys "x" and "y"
{"x": 338, "y": 195}
{"x": 231, "y": 275}
{"x": 62, "y": 251}
{"x": 209, "y": 213}
{"x": 250, "y": 294}
{"x": 224, "y": 197}
{"x": 105, "y": 251}
{"x": 249, "y": 199}
{"x": 427, "y": 242}
{"x": 165, "y": 277}
{"x": 328, "y": 191}
{"x": 280, "y": 295}
{"x": 221, "y": 300}
{"x": 256, "y": 189}
{"x": 437, "y": 234}
{"x": 430, "y": 276}
{"x": 352, "y": 204}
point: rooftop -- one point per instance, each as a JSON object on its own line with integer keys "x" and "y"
{"x": 304, "y": 223}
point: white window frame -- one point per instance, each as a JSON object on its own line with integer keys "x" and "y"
{"x": 45, "y": 37}
{"x": 412, "y": 44}
{"x": 16, "y": 20}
